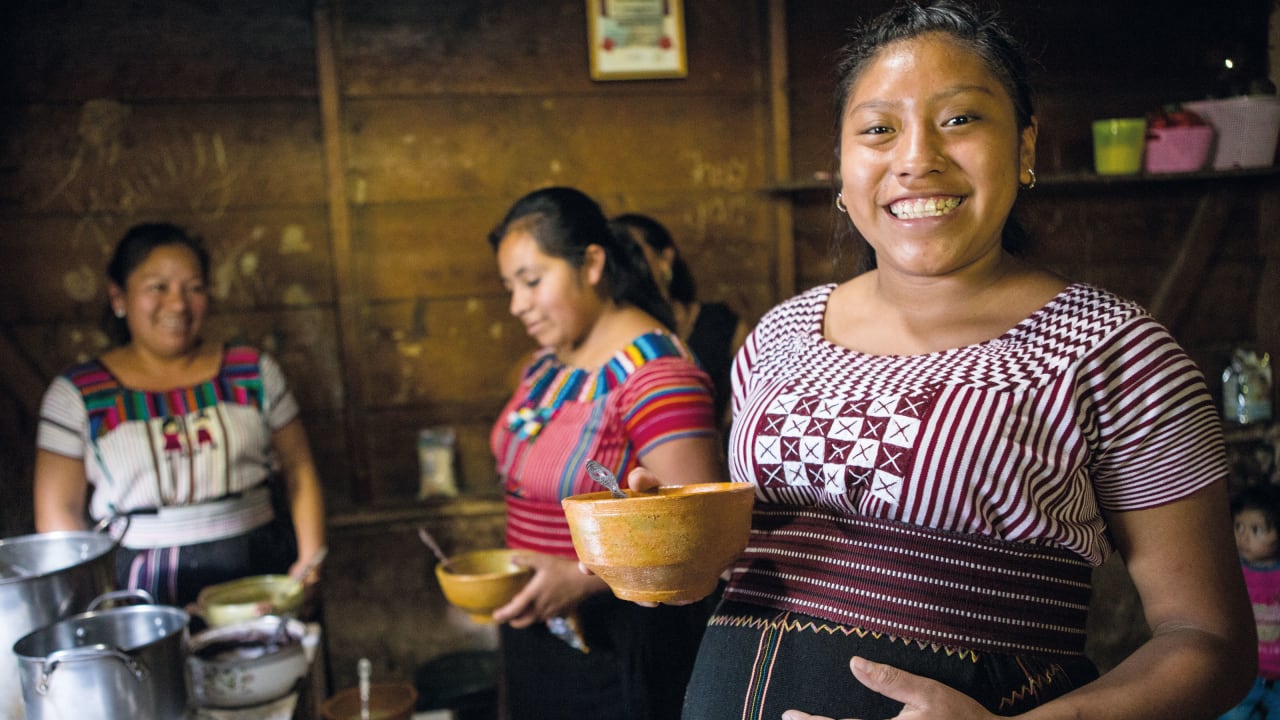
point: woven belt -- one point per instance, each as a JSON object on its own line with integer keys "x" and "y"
{"x": 953, "y": 589}
{"x": 205, "y": 522}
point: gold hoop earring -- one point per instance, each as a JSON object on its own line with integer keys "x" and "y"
{"x": 840, "y": 203}
{"x": 1032, "y": 183}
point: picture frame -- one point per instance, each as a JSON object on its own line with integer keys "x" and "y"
{"x": 636, "y": 39}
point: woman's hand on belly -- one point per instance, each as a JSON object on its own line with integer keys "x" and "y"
{"x": 923, "y": 699}
{"x": 556, "y": 589}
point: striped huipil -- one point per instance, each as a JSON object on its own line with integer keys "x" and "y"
{"x": 648, "y": 393}
{"x": 941, "y": 512}
{"x": 1086, "y": 405}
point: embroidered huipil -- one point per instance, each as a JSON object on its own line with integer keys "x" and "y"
{"x": 649, "y": 393}
{"x": 144, "y": 449}
{"x": 1023, "y": 440}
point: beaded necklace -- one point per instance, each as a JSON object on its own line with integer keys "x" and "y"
{"x": 555, "y": 383}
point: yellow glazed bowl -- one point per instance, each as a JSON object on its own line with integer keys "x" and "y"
{"x": 482, "y": 581}
{"x": 665, "y": 545}
{"x": 248, "y": 598}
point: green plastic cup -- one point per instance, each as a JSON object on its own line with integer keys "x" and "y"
{"x": 1117, "y": 145}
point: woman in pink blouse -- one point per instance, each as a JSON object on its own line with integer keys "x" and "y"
{"x": 612, "y": 383}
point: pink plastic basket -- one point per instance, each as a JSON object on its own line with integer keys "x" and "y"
{"x": 1177, "y": 149}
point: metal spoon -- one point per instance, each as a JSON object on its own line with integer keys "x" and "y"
{"x": 430, "y": 542}
{"x": 601, "y": 474}
{"x": 312, "y": 564}
{"x": 281, "y": 636}
{"x": 364, "y": 669}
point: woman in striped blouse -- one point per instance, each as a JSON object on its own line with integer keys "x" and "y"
{"x": 945, "y": 445}
{"x": 612, "y": 383}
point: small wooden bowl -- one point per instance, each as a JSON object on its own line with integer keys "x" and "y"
{"x": 668, "y": 545}
{"x": 482, "y": 581}
{"x": 387, "y": 701}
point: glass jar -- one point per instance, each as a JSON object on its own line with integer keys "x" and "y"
{"x": 1246, "y": 387}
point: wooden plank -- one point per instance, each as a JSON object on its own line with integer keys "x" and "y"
{"x": 461, "y": 47}
{"x": 20, "y": 374}
{"x": 260, "y": 258}
{"x": 441, "y": 351}
{"x": 780, "y": 115}
{"x": 198, "y": 158}
{"x": 495, "y": 147}
{"x": 1186, "y": 268}
{"x": 302, "y": 340}
{"x": 394, "y": 457}
{"x": 350, "y": 300}
{"x": 78, "y": 50}
{"x": 1221, "y": 309}
{"x": 439, "y": 249}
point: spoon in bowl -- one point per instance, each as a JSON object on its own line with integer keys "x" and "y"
{"x": 430, "y": 542}
{"x": 602, "y": 475}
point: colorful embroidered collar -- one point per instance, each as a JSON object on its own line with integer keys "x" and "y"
{"x": 555, "y": 383}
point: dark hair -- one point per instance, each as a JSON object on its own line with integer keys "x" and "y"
{"x": 564, "y": 221}
{"x": 681, "y": 286}
{"x": 133, "y": 249}
{"x": 1263, "y": 498}
{"x": 982, "y": 31}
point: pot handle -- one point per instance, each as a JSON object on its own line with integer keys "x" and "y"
{"x": 84, "y": 653}
{"x": 142, "y": 596}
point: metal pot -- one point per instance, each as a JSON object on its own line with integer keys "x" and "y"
{"x": 44, "y": 578}
{"x": 125, "y": 662}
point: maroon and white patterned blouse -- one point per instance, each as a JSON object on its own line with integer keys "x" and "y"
{"x": 1088, "y": 404}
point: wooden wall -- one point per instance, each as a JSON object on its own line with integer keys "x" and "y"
{"x": 344, "y": 161}
{"x": 213, "y": 115}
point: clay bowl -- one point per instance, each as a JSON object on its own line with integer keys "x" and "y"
{"x": 482, "y": 581}
{"x": 668, "y": 545}
{"x": 249, "y": 597}
{"x": 246, "y": 663}
{"x": 387, "y": 701}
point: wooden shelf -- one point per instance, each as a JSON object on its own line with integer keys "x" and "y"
{"x": 1082, "y": 179}
{"x": 413, "y": 512}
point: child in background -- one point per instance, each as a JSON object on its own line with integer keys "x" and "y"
{"x": 1256, "y": 513}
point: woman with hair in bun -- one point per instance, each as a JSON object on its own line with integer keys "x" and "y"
{"x": 611, "y": 382}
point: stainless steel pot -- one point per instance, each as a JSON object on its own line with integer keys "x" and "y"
{"x": 44, "y": 578}
{"x": 125, "y": 662}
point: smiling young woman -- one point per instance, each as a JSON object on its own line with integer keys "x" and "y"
{"x": 953, "y": 407}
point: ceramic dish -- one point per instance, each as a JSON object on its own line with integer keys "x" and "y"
{"x": 247, "y": 663}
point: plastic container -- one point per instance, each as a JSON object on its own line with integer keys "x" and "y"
{"x": 1248, "y": 127}
{"x": 1118, "y": 145}
{"x": 1178, "y": 149}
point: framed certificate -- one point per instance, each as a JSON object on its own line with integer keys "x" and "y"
{"x": 636, "y": 39}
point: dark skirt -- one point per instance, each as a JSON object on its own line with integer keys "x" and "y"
{"x": 175, "y": 575}
{"x": 756, "y": 663}
{"x": 637, "y": 666}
